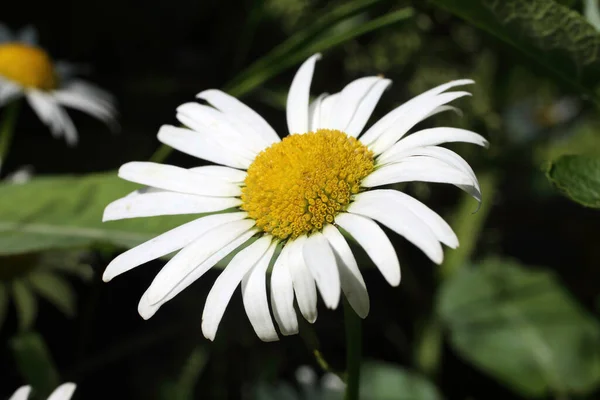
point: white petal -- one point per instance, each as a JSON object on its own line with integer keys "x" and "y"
{"x": 417, "y": 113}
{"x": 282, "y": 294}
{"x": 297, "y": 100}
{"x": 256, "y": 304}
{"x": 233, "y": 107}
{"x": 314, "y": 113}
{"x": 50, "y": 113}
{"x": 433, "y": 137}
{"x": 8, "y": 91}
{"x": 422, "y": 169}
{"x": 447, "y": 156}
{"x": 327, "y": 105}
{"x": 63, "y": 392}
{"x": 304, "y": 283}
{"x": 349, "y": 100}
{"x": 444, "y": 108}
{"x": 147, "y": 309}
{"x": 375, "y": 243}
{"x": 201, "y": 145}
{"x": 227, "y": 174}
{"x": 166, "y": 243}
{"x": 390, "y": 118}
{"x": 402, "y": 221}
{"x": 95, "y": 106}
{"x": 442, "y": 231}
{"x": 353, "y": 284}
{"x": 170, "y": 177}
{"x": 221, "y": 292}
{"x": 366, "y": 107}
{"x": 194, "y": 255}
{"x": 22, "y": 393}
{"x": 6, "y": 35}
{"x": 211, "y": 121}
{"x": 320, "y": 260}
{"x": 28, "y": 35}
{"x": 165, "y": 203}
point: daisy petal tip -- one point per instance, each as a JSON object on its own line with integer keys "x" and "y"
{"x": 206, "y": 93}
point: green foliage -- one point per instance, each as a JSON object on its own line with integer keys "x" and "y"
{"x": 523, "y": 328}
{"x": 25, "y": 304}
{"x": 183, "y": 387}
{"x": 66, "y": 212}
{"x": 578, "y": 177}
{"x": 383, "y": 381}
{"x": 552, "y": 35}
{"x": 35, "y": 363}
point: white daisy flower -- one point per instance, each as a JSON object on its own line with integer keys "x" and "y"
{"x": 63, "y": 392}
{"x": 297, "y": 194}
{"x": 27, "y": 70}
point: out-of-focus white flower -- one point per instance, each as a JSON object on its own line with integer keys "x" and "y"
{"x": 63, "y": 392}
{"x": 27, "y": 70}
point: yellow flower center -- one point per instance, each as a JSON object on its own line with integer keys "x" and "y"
{"x": 29, "y": 66}
{"x": 296, "y": 186}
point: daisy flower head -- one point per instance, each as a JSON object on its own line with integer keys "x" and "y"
{"x": 63, "y": 392}
{"x": 27, "y": 70}
{"x": 290, "y": 203}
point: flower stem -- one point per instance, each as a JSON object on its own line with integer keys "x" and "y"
{"x": 353, "y": 351}
{"x": 7, "y": 129}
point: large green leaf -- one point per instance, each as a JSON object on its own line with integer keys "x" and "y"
{"x": 383, "y": 381}
{"x": 552, "y": 35}
{"x": 523, "y": 328}
{"x": 35, "y": 363}
{"x": 578, "y": 177}
{"x": 66, "y": 212}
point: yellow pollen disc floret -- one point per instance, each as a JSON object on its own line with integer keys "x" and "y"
{"x": 29, "y": 66}
{"x": 301, "y": 183}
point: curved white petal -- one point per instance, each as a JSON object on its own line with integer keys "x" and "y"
{"x": 200, "y": 145}
{"x": 165, "y": 203}
{"x": 298, "y": 96}
{"x": 8, "y": 91}
{"x": 353, "y": 284}
{"x": 433, "y": 137}
{"x": 396, "y": 199}
{"x": 326, "y": 112}
{"x": 402, "y": 221}
{"x": 282, "y": 294}
{"x": 417, "y": 113}
{"x": 221, "y": 292}
{"x": 170, "y": 177}
{"x": 193, "y": 255}
{"x": 166, "y": 243}
{"x": 320, "y": 260}
{"x": 63, "y": 392}
{"x": 226, "y": 174}
{"x": 147, "y": 309}
{"x": 231, "y": 106}
{"x": 375, "y": 243}
{"x": 390, "y": 118}
{"x": 304, "y": 283}
{"x": 366, "y": 107}
{"x": 349, "y": 101}
{"x": 94, "y": 106}
{"x": 448, "y": 156}
{"x": 314, "y": 113}
{"x": 445, "y": 108}
{"x": 52, "y": 114}
{"x": 22, "y": 393}
{"x": 256, "y": 304}
{"x": 423, "y": 169}
{"x": 206, "y": 119}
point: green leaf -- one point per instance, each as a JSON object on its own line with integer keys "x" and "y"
{"x": 54, "y": 289}
{"x": 66, "y": 212}
{"x": 25, "y": 303}
{"x": 35, "y": 363}
{"x": 578, "y": 177}
{"x": 550, "y": 34}
{"x": 383, "y": 381}
{"x": 520, "y": 326}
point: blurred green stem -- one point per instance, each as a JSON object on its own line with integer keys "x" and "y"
{"x": 353, "y": 351}
{"x": 7, "y": 129}
{"x": 468, "y": 225}
{"x": 310, "y": 339}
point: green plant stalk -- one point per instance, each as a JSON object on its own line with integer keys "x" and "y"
{"x": 7, "y": 129}
{"x": 468, "y": 225}
{"x": 353, "y": 325}
{"x": 291, "y": 55}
